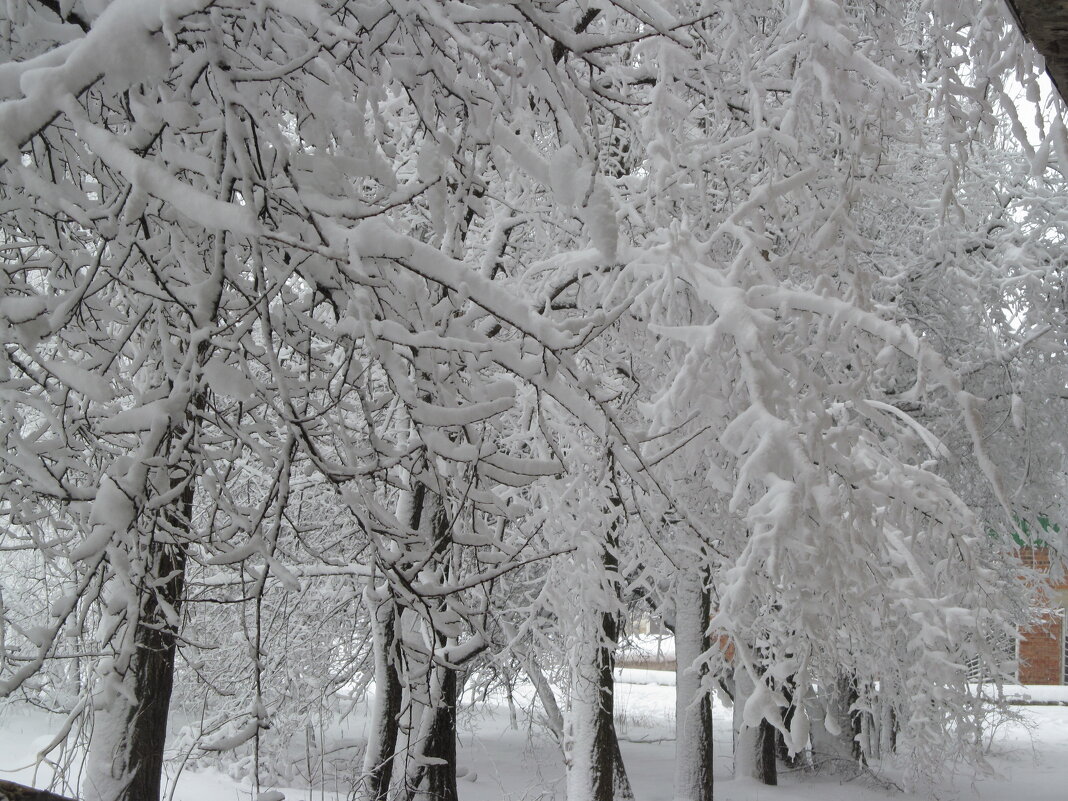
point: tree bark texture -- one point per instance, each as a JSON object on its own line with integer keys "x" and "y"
{"x": 384, "y": 724}
{"x": 754, "y": 746}
{"x": 130, "y": 732}
{"x": 847, "y": 696}
{"x": 693, "y": 704}
{"x": 157, "y": 639}
{"x": 435, "y": 777}
{"x": 440, "y": 746}
{"x": 554, "y": 718}
{"x": 596, "y": 771}
{"x": 766, "y": 769}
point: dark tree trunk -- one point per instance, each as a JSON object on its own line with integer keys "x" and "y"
{"x": 440, "y": 746}
{"x": 595, "y": 769}
{"x": 609, "y": 774}
{"x": 610, "y": 779}
{"x": 891, "y": 740}
{"x": 620, "y": 781}
{"x": 385, "y": 724}
{"x": 136, "y": 753}
{"x": 436, "y": 780}
{"x": 754, "y": 746}
{"x": 157, "y": 639}
{"x": 133, "y": 755}
{"x": 766, "y": 769}
{"x": 441, "y": 740}
{"x": 848, "y": 686}
{"x": 782, "y": 749}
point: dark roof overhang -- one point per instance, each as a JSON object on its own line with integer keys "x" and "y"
{"x": 1045, "y": 24}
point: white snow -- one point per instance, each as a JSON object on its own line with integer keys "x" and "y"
{"x": 662, "y": 678}
{"x": 498, "y": 763}
{"x": 1034, "y": 693}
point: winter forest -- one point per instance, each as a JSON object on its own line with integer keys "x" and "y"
{"x": 383, "y": 360}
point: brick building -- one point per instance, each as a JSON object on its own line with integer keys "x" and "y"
{"x": 1043, "y": 647}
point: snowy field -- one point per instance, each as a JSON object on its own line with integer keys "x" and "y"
{"x": 500, "y": 762}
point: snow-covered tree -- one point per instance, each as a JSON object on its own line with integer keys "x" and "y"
{"x": 460, "y": 312}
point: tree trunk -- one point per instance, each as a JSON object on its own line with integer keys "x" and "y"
{"x": 782, "y": 747}
{"x": 766, "y": 769}
{"x": 125, "y": 761}
{"x": 441, "y": 739}
{"x": 887, "y": 729}
{"x": 384, "y": 723}
{"x": 610, "y": 777}
{"x": 596, "y": 770}
{"x": 157, "y": 639}
{"x": 440, "y": 746}
{"x": 693, "y": 705}
{"x": 554, "y": 719}
{"x": 434, "y": 774}
{"x": 754, "y": 746}
{"x": 745, "y": 741}
{"x": 595, "y": 767}
{"x": 847, "y": 695}
{"x": 620, "y": 780}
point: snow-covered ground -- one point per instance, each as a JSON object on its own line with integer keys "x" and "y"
{"x": 502, "y": 763}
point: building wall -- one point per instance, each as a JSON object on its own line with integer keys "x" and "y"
{"x": 1042, "y": 648}
{"x": 1041, "y": 651}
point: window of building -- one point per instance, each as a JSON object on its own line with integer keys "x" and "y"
{"x": 1007, "y": 646}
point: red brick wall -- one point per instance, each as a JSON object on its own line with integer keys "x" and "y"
{"x": 1041, "y": 650}
{"x": 1037, "y": 558}
{"x": 1041, "y": 645}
